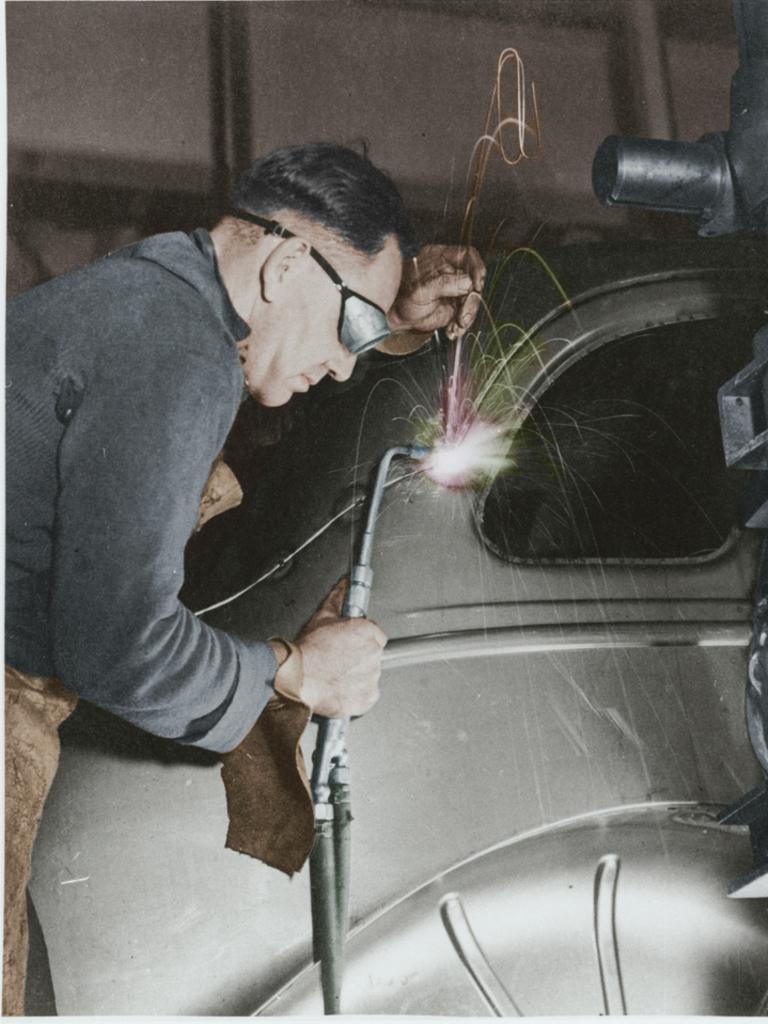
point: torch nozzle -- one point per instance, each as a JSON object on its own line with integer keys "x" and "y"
{"x": 418, "y": 451}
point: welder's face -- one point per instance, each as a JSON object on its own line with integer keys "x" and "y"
{"x": 296, "y": 339}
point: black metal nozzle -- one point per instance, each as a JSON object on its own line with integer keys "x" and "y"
{"x": 679, "y": 177}
{"x": 721, "y": 179}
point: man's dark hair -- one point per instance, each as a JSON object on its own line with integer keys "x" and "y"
{"x": 334, "y": 186}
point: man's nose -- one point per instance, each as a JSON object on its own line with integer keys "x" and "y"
{"x": 340, "y": 367}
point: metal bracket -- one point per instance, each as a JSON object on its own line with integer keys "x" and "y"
{"x": 751, "y": 810}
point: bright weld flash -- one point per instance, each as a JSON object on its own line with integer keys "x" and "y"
{"x": 480, "y": 451}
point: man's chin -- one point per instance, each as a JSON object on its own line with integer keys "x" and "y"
{"x": 274, "y": 395}
{"x": 272, "y": 401}
{"x": 271, "y": 397}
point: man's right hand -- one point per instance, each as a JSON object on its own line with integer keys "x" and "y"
{"x": 341, "y": 660}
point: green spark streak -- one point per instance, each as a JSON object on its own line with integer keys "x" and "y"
{"x": 483, "y": 390}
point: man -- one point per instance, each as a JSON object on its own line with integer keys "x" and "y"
{"x": 123, "y": 380}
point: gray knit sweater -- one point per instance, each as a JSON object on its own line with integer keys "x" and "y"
{"x": 122, "y": 383}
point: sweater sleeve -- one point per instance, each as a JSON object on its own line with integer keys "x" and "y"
{"x": 133, "y": 462}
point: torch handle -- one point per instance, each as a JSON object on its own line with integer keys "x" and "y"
{"x": 358, "y": 597}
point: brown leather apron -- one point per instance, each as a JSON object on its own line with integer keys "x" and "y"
{"x": 268, "y": 799}
{"x": 35, "y": 707}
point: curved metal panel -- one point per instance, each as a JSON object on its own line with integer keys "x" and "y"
{"x": 527, "y": 941}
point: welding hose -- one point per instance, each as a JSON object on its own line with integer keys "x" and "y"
{"x": 326, "y": 948}
{"x": 329, "y": 860}
{"x": 342, "y": 835}
{"x": 329, "y": 864}
{"x": 329, "y": 872}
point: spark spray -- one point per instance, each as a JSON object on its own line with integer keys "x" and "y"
{"x": 467, "y": 445}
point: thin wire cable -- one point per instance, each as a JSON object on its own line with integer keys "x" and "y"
{"x": 287, "y": 558}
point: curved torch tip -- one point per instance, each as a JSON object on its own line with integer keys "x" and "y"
{"x": 418, "y": 451}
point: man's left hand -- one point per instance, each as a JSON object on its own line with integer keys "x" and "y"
{"x": 440, "y": 289}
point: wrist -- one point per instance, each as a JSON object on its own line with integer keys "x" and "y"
{"x": 290, "y": 668}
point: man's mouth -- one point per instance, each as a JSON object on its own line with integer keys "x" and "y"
{"x": 305, "y": 381}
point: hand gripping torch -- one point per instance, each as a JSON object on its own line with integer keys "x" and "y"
{"x": 329, "y": 860}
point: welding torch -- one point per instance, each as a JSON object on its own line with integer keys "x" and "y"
{"x": 329, "y": 861}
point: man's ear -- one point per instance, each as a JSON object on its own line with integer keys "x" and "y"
{"x": 279, "y": 268}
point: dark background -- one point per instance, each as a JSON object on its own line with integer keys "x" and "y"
{"x": 129, "y": 118}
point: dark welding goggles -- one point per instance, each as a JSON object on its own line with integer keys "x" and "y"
{"x": 362, "y": 324}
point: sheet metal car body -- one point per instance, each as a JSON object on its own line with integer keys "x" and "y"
{"x": 562, "y": 699}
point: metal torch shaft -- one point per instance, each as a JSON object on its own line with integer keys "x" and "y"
{"x": 358, "y": 597}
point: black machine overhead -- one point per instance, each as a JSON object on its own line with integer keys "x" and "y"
{"x": 722, "y": 179}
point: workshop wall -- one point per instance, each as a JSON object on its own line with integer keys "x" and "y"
{"x": 127, "y": 118}
{"x": 119, "y": 80}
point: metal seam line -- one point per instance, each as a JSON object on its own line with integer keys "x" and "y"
{"x": 455, "y": 646}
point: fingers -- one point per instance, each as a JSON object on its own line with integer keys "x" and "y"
{"x": 475, "y": 267}
{"x": 455, "y": 316}
{"x": 432, "y": 283}
{"x": 331, "y": 606}
{"x": 356, "y": 693}
{"x": 449, "y": 285}
{"x": 468, "y": 311}
{"x": 438, "y": 274}
{"x": 376, "y": 633}
{"x": 431, "y": 316}
{"x": 342, "y": 667}
{"x": 334, "y": 601}
{"x": 436, "y": 281}
{"x": 451, "y": 259}
{"x": 353, "y": 702}
{"x": 361, "y": 634}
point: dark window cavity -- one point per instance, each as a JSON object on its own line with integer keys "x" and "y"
{"x": 622, "y": 457}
